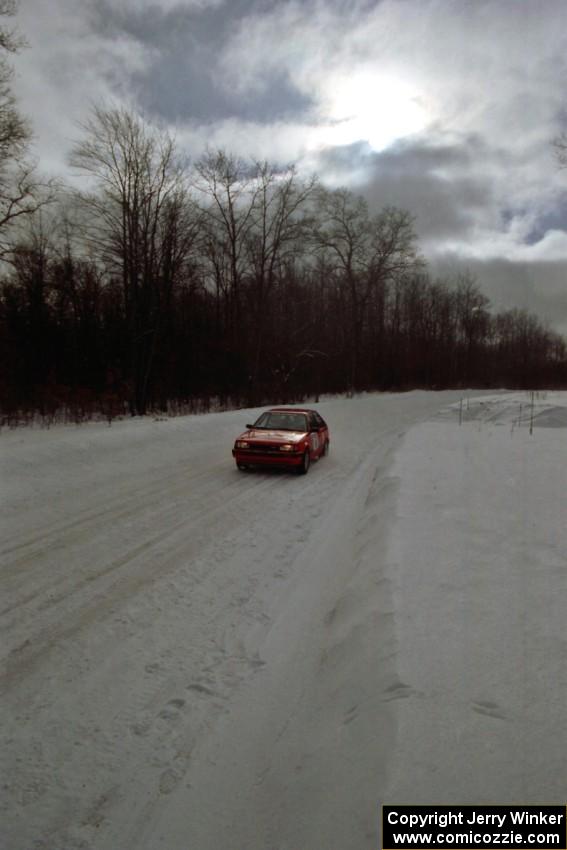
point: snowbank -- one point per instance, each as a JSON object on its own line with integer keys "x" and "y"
{"x": 479, "y": 566}
{"x": 193, "y": 657}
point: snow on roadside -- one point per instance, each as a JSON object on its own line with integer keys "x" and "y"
{"x": 479, "y": 568}
{"x": 197, "y": 657}
{"x": 143, "y": 582}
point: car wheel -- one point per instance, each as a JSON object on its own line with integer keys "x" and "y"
{"x": 242, "y": 467}
{"x": 305, "y": 464}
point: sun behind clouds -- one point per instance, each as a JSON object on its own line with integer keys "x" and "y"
{"x": 372, "y": 107}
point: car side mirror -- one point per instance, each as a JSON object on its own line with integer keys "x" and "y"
{"x": 249, "y": 426}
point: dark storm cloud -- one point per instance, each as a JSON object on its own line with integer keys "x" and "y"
{"x": 186, "y": 90}
{"x": 434, "y": 181}
{"x": 451, "y": 190}
{"x": 184, "y": 84}
{"x": 539, "y": 287}
{"x": 552, "y": 219}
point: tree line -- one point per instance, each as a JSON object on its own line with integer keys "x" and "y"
{"x": 162, "y": 285}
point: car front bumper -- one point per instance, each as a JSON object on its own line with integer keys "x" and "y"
{"x": 259, "y": 458}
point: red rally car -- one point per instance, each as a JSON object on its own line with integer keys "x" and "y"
{"x": 283, "y": 436}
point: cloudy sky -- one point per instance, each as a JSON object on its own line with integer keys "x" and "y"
{"x": 447, "y": 108}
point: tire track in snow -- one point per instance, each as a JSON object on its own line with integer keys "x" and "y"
{"x": 51, "y": 536}
{"x": 47, "y": 583}
{"x": 126, "y": 708}
{"x": 309, "y": 712}
{"x": 155, "y": 724}
{"x": 26, "y": 656}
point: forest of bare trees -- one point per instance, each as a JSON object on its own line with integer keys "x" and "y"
{"x": 164, "y": 285}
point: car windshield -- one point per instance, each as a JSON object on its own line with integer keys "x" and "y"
{"x": 281, "y": 421}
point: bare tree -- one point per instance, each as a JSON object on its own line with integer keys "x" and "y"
{"x": 139, "y": 223}
{"x": 277, "y": 236}
{"x": 22, "y": 193}
{"x": 367, "y": 253}
{"x": 15, "y": 132}
{"x": 229, "y": 191}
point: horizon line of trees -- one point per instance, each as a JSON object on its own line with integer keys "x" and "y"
{"x": 163, "y": 284}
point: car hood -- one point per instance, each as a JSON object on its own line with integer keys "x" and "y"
{"x": 261, "y": 435}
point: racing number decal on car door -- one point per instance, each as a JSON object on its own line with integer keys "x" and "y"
{"x": 314, "y": 442}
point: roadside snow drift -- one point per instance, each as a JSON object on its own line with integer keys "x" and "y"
{"x": 193, "y": 657}
{"x": 478, "y": 560}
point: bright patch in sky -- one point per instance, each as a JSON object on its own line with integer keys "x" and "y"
{"x": 370, "y": 107}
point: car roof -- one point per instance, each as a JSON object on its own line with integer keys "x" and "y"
{"x": 290, "y": 410}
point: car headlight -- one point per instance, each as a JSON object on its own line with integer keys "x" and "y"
{"x": 287, "y": 447}
{"x": 242, "y": 444}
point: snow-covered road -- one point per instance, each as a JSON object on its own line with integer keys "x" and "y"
{"x": 195, "y": 658}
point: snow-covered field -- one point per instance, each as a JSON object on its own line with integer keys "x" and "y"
{"x": 195, "y": 658}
